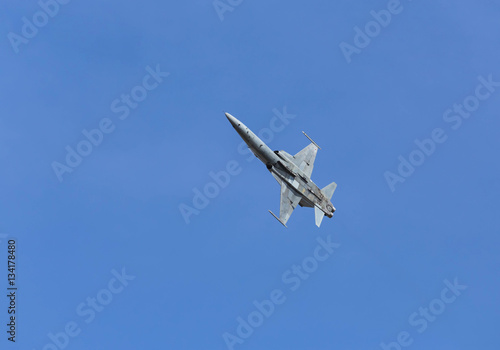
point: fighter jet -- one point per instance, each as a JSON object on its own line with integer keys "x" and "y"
{"x": 293, "y": 173}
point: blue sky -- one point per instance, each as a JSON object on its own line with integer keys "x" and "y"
{"x": 188, "y": 285}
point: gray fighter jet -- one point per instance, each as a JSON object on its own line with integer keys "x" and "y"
{"x": 293, "y": 173}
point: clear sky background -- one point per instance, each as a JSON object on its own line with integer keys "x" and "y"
{"x": 119, "y": 208}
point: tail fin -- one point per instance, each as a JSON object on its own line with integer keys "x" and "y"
{"x": 328, "y": 190}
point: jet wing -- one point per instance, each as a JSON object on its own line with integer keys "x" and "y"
{"x": 289, "y": 201}
{"x": 305, "y": 159}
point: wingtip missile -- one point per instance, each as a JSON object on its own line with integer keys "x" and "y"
{"x": 310, "y": 139}
{"x": 277, "y": 218}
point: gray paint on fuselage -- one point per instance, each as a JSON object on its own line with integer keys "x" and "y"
{"x": 285, "y": 169}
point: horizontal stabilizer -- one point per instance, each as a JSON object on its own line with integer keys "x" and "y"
{"x": 319, "y": 215}
{"x": 328, "y": 190}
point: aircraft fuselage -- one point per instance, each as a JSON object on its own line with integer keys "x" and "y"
{"x": 280, "y": 164}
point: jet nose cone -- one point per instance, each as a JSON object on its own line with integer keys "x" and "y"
{"x": 232, "y": 120}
